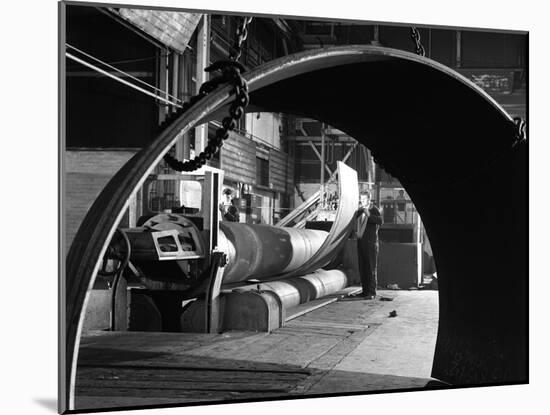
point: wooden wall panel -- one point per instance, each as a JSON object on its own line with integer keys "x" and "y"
{"x": 238, "y": 159}
{"x": 281, "y": 167}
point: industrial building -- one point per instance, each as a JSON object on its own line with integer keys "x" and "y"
{"x": 169, "y": 303}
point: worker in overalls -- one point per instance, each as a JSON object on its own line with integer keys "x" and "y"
{"x": 229, "y": 211}
{"x": 368, "y": 221}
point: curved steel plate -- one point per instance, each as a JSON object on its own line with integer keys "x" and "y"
{"x": 348, "y": 197}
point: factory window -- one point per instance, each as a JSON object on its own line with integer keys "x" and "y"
{"x": 262, "y": 172}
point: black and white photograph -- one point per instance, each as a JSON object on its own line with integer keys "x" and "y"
{"x": 240, "y": 207}
{"x": 269, "y": 207}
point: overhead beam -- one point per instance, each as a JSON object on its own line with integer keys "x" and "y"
{"x": 301, "y": 139}
{"x": 329, "y": 171}
{"x": 334, "y": 131}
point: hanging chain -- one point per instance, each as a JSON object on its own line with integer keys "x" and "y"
{"x": 242, "y": 34}
{"x": 520, "y": 130}
{"x": 231, "y": 72}
{"x": 415, "y": 35}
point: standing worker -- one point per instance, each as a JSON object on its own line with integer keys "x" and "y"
{"x": 368, "y": 220}
{"x": 228, "y": 209}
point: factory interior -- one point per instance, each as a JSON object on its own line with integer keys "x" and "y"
{"x": 213, "y": 166}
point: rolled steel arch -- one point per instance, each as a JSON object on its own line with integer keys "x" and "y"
{"x": 427, "y": 125}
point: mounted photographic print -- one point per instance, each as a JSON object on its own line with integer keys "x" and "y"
{"x": 277, "y": 207}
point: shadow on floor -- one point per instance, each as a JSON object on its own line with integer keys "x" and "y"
{"x": 207, "y": 379}
{"x": 48, "y": 403}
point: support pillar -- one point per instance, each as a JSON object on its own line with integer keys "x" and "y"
{"x": 203, "y": 60}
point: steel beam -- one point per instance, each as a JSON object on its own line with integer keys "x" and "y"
{"x": 320, "y": 157}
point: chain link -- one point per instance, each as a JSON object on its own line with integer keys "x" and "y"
{"x": 242, "y": 34}
{"x": 415, "y": 35}
{"x": 231, "y": 72}
{"x": 520, "y": 130}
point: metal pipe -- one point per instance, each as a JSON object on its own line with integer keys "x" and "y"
{"x": 458, "y": 48}
{"x": 203, "y": 59}
{"x": 163, "y": 82}
{"x": 175, "y": 74}
{"x": 322, "y": 181}
{"x": 119, "y": 71}
{"x": 116, "y": 78}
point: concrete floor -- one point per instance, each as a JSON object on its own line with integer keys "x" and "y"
{"x": 397, "y": 354}
{"x": 347, "y": 346}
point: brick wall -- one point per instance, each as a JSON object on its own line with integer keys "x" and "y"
{"x": 86, "y": 174}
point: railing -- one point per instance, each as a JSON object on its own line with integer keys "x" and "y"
{"x": 304, "y": 208}
{"x": 398, "y": 211}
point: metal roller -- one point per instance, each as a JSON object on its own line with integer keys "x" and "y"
{"x": 325, "y": 282}
{"x": 299, "y": 290}
{"x": 260, "y": 251}
{"x": 305, "y": 243}
{"x": 289, "y": 293}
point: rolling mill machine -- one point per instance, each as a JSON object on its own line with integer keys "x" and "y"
{"x": 193, "y": 272}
